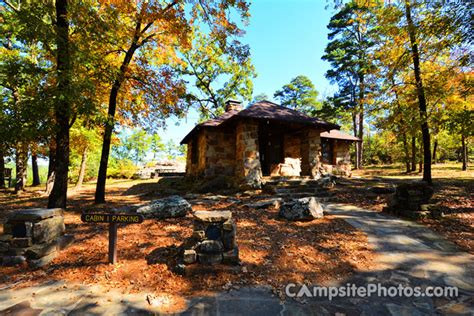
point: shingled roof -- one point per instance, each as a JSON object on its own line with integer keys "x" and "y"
{"x": 265, "y": 110}
{"x": 337, "y": 134}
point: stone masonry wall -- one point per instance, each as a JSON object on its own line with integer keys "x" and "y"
{"x": 311, "y": 153}
{"x": 190, "y": 168}
{"x": 202, "y": 145}
{"x": 343, "y": 159}
{"x": 342, "y": 151}
{"x": 220, "y": 153}
{"x": 248, "y": 166}
{"x": 198, "y": 168}
{"x": 292, "y": 145}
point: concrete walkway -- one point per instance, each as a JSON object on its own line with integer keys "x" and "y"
{"x": 409, "y": 254}
{"x": 410, "y": 247}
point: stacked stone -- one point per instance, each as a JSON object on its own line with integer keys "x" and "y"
{"x": 311, "y": 154}
{"x": 220, "y": 153}
{"x": 409, "y": 198}
{"x": 33, "y": 236}
{"x": 213, "y": 240}
{"x": 248, "y": 166}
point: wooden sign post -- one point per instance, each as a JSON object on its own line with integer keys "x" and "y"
{"x": 113, "y": 220}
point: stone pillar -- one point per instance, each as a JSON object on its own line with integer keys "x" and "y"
{"x": 311, "y": 153}
{"x": 248, "y": 166}
{"x": 34, "y": 236}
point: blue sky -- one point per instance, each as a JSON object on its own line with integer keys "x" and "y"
{"x": 287, "y": 38}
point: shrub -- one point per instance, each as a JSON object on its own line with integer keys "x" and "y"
{"x": 121, "y": 169}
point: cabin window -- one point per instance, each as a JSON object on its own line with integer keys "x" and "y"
{"x": 194, "y": 151}
{"x": 327, "y": 150}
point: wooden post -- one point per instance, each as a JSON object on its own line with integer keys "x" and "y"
{"x": 112, "y": 243}
{"x": 113, "y": 219}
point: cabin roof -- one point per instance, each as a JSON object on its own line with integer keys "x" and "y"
{"x": 337, "y": 134}
{"x": 264, "y": 110}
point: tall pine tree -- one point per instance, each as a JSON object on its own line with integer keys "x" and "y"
{"x": 348, "y": 53}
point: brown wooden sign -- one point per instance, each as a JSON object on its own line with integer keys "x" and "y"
{"x": 113, "y": 220}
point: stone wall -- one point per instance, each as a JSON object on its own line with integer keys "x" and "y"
{"x": 247, "y": 165}
{"x": 197, "y": 168}
{"x": 235, "y": 151}
{"x": 220, "y": 152}
{"x": 310, "y": 149}
{"x": 202, "y": 145}
{"x": 190, "y": 168}
{"x": 343, "y": 159}
{"x": 292, "y": 145}
{"x": 411, "y": 199}
{"x": 342, "y": 152}
{"x": 33, "y": 236}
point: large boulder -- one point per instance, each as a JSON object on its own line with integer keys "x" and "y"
{"x": 303, "y": 209}
{"x": 173, "y": 206}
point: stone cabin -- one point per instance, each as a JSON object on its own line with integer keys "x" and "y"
{"x": 266, "y": 139}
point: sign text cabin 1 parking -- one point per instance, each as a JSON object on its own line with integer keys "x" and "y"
{"x": 113, "y": 220}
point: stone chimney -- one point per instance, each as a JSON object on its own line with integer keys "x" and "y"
{"x": 233, "y": 105}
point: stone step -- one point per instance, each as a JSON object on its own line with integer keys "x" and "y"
{"x": 301, "y": 189}
{"x": 304, "y": 194}
{"x": 323, "y": 200}
{"x": 292, "y": 183}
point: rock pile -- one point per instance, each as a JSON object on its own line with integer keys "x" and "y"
{"x": 34, "y": 236}
{"x": 303, "y": 209}
{"x": 172, "y": 206}
{"x": 409, "y": 199}
{"x": 213, "y": 240}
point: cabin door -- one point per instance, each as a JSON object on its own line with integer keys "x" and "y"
{"x": 271, "y": 149}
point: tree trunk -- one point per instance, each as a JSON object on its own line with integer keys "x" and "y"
{"x": 435, "y": 147}
{"x": 413, "y": 153}
{"x": 464, "y": 153}
{"x": 407, "y": 153}
{"x": 34, "y": 167}
{"x": 58, "y": 195}
{"x": 109, "y": 125}
{"x": 361, "y": 120}
{"x": 82, "y": 171}
{"x": 21, "y": 161}
{"x": 420, "y": 161}
{"x": 52, "y": 157}
{"x": 369, "y": 149}
{"x": 51, "y": 166}
{"x": 421, "y": 95}
{"x": 354, "y": 125}
{"x": 49, "y": 184}
{"x": 2, "y": 170}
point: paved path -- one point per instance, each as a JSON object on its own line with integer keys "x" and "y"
{"x": 410, "y": 247}
{"x": 409, "y": 254}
